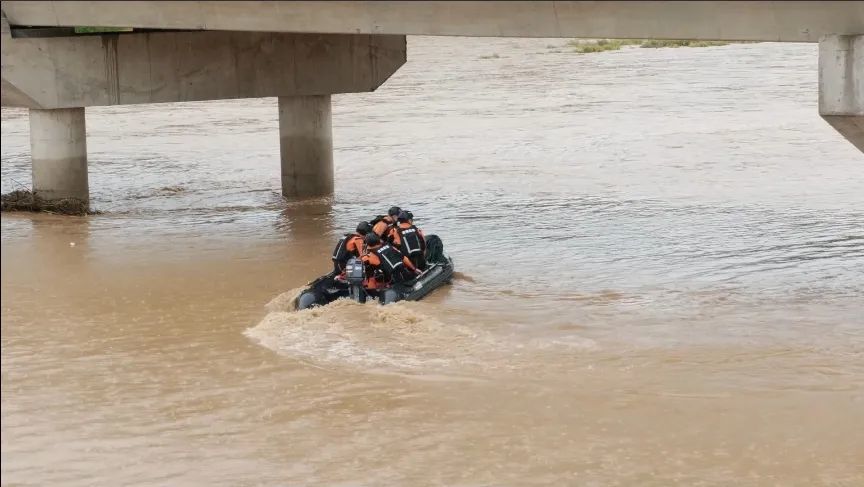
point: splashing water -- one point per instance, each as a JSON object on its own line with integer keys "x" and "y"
{"x": 397, "y": 336}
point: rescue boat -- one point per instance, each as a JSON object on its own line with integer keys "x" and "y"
{"x": 333, "y": 286}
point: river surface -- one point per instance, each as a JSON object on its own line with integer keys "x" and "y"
{"x": 661, "y": 282}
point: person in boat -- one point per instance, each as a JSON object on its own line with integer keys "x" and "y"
{"x": 350, "y": 245}
{"x": 385, "y": 264}
{"x": 381, "y": 226}
{"x": 409, "y": 239}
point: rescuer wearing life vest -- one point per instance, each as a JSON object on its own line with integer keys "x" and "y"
{"x": 386, "y": 264}
{"x": 350, "y": 245}
{"x": 382, "y": 226}
{"x": 409, "y": 240}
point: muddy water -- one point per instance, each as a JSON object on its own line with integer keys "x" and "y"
{"x": 661, "y": 258}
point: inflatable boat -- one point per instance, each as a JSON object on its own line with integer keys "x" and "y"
{"x": 330, "y": 287}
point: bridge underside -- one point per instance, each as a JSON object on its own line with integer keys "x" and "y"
{"x": 167, "y": 67}
{"x": 56, "y": 77}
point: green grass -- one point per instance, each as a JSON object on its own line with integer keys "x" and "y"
{"x": 582, "y": 46}
{"x": 656, "y": 43}
{"x": 600, "y": 45}
{"x": 100, "y": 30}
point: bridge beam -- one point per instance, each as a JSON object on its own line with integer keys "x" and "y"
{"x": 841, "y": 85}
{"x": 170, "y": 67}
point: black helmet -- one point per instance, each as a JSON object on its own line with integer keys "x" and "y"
{"x": 393, "y": 211}
{"x": 403, "y": 216}
{"x": 363, "y": 228}
{"x": 410, "y": 216}
{"x": 372, "y": 238}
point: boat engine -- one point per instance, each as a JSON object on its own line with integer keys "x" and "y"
{"x": 355, "y": 275}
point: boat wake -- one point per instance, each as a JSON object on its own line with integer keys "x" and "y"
{"x": 400, "y": 338}
{"x": 394, "y": 337}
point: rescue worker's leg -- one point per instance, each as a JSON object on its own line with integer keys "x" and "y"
{"x": 419, "y": 261}
{"x": 403, "y": 275}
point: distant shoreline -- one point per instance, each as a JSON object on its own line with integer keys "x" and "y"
{"x": 586, "y": 46}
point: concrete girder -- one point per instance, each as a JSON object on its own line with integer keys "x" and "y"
{"x": 161, "y": 67}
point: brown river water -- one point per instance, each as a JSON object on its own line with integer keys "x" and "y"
{"x": 661, "y": 282}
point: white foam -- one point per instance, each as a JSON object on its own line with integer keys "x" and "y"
{"x": 400, "y": 337}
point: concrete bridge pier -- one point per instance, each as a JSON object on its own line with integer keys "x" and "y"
{"x": 306, "y": 145}
{"x": 58, "y": 148}
{"x": 841, "y": 85}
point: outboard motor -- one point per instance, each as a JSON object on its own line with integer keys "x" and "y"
{"x": 355, "y": 274}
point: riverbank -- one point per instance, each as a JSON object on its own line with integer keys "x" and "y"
{"x": 586, "y": 46}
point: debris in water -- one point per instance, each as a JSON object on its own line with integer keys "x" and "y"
{"x": 172, "y": 189}
{"x": 25, "y": 200}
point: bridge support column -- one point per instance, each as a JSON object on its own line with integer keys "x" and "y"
{"x": 841, "y": 85}
{"x": 58, "y": 148}
{"x": 306, "y": 145}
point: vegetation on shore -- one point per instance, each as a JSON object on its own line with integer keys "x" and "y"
{"x": 582, "y": 46}
{"x": 654, "y": 43}
{"x": 600, "y": 45}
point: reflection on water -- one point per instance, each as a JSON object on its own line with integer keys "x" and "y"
{"x": 659, "y": 259}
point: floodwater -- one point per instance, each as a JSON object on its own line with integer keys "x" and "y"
{"x": 661, "y": 282}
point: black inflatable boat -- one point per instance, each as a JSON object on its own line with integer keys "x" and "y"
{"x": 327, "y": 288}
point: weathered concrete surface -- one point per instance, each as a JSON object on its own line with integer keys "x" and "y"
{"x": 157, "y": 67}
{"x": 58, "y": 147}
{"x": 794, "y": 21}
{"x": 306, "y": 145}
{"x": 841, "y": 85}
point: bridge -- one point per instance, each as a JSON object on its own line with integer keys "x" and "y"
{"x": 303, "y": 52}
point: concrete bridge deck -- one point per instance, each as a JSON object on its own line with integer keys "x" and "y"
{"x": 787, "y": 21}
